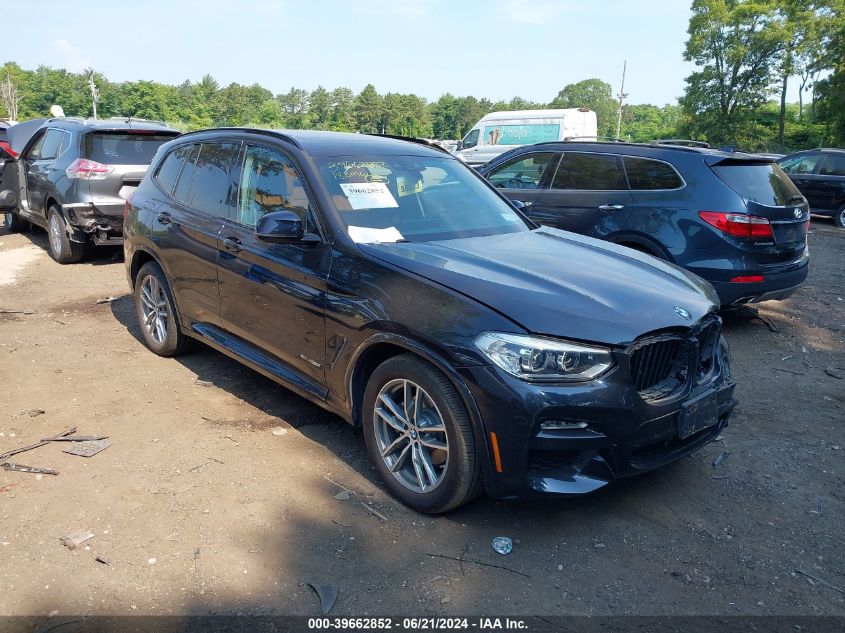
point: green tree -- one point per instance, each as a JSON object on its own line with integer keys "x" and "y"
{"x": 320, "y": 108}
{"x": 294, "y": 105}
{"x": 368, "y": 107}
{"x": 343, "y": 115}
{"x": 594, "y": 94}
{"x": 736, "y": 43}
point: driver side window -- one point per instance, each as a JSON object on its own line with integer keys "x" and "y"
{"x": 523, "y": 172}
{"x": 269, "y": 182}
{"x": 35, "y": 151}
{"x": 471, "y": 139}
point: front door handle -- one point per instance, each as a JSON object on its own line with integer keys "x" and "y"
{"x": 164, "y": 218}
{"x": 611, "y": 207}
{"x": 233, "y": 245}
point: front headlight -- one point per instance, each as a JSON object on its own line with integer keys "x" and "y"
{"x": 541, "y": 359}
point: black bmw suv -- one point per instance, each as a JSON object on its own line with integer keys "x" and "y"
{"x": 391, "y": 284}
{"x": 734, "y": 219}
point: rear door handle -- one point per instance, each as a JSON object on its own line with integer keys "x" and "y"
{"x": 164, "y": 218}
{"x": 233, "y": 244}
{"x": 611, "y": 207}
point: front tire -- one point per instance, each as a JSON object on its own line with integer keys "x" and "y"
{"x": 61, "y": 248}
{"x": 419, "y": 436}
{"x": 156, "y": 312}
{"x": 14, "y": 223}
{"x": 839, "y": 218}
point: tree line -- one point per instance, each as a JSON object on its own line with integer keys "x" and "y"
{"x": 746, "y": 51}
{"x": 195, "y": 105}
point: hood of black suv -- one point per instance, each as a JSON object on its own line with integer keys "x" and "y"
{"x": 560, "y": 284}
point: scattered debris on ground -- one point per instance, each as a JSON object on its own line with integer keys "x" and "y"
{"x": 502, "y": 545}
{"x": 75, "y": 539}
{"x": 720, "y": 458}
{"x": 327, "y": 595}
{"x": 88, "y": 448}
{"x": 20, "y": 468}
{"x": 106, "y": 300}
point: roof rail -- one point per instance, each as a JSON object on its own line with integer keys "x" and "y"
{"x": 412, "y": 139}
{"x": 570, "y": 139}
{"x": 132, "y": 119}
{"x": 684, "y": 142}
{"x": 276, "y": 133}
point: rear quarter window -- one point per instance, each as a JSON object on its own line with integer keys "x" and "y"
{"x": 112, "y": 148}
{"x": 171, "y": 167}
{"x": 834, "y": 165}
{"x": 759, "y": 182}
{"x": 647, "y": 174}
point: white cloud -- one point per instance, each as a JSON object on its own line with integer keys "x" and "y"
{"x": 532, "y": 11}
{"x": 399, "y": 8}
{"x": 69, "y": 56}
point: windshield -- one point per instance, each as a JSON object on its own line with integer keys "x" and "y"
{"x": 414, "y": 198}
{"x": 124, "y": 149}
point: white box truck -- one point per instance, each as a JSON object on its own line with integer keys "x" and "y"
{"x": 499, "y": 132}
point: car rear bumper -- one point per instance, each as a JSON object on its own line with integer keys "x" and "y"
{"x": 102, "y": 223}
{"x": 622, "y": 434}
{"x": 776, "y": 285}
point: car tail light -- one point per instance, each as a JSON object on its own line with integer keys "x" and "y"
{"x": 748, "y": 279}
{"x": 5, "y": 145}
{"x": 738, "y": 224}
{"x": 88, "y": 169}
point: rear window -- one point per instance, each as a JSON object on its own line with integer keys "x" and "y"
{"x": 764, "y": 183}
{"x": 124, "y": 149}
{"x": 644, "y": 174}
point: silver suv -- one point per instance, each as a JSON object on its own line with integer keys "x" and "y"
{"x": 72, "y": 176}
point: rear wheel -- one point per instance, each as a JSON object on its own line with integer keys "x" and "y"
{"x": 156, "y": 312}
{"x": 14, "y": 223}
{"x": 839, "y": 218}
{"x": 419, "y": 436}
{"x": 61, "y": 248}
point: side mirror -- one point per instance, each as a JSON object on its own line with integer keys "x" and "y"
{"x": 459, "y": 146}
{"x": 279, "y": 227}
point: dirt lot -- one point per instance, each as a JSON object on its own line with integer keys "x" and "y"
{"x": 200, "y": 507}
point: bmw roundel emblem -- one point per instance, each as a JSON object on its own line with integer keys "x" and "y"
{"x": 682, "y": 313}
{"x": 798, "y": 213}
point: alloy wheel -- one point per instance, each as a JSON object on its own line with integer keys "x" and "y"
{"x": 411, "y": 435}
{"x": 154, "y": 309}
{"x": 55, "y": 233}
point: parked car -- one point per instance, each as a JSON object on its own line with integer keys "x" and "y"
{"x": 389, "y": 283}
{"x": 71, "y": 177}
{"x": 734, "y": 219}
{"x": 497, "y": 132}
{"x": 820, "y": 175}
{"x": 5, "y": 149}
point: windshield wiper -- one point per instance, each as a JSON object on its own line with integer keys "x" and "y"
{"x": 796, "y": 197}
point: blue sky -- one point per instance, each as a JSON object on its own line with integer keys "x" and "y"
{"x": 493, "y": 48}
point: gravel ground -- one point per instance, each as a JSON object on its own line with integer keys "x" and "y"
{"x": 200, "y": 507}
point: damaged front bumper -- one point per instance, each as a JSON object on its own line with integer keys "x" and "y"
{"x": 100, "y": 224}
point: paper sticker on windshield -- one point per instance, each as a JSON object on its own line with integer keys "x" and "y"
{"x": 407, "y": 186}
{"x": 367, "y": 235}
{"x": 368, "y": 195}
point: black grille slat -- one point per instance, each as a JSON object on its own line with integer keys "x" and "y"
{"x": 653, "y": 362}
